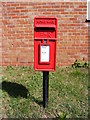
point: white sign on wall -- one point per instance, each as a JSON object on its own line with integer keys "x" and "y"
{"x": 88, "y": 9}
{"x": 45, "y": 53}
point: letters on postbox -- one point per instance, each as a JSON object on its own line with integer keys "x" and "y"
{"x": 45, "y": 43}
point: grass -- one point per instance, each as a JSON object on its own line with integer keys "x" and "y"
{"x": 22, "y": 93}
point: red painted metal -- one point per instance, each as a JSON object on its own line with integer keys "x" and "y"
{"x": 45, "y": 34}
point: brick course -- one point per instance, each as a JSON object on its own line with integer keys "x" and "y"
{"x": 18, "y": 30}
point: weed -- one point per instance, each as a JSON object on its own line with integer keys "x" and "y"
{"x": 79, "y": 63}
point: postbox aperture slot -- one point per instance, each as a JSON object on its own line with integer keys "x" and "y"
{"x": 44, "y": 29}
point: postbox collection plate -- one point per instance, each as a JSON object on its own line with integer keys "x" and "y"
{"x": 45, "y": 43}
{"x": 45, "y": 53}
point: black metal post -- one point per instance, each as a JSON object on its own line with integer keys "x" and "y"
{"x": 45, "y": 88}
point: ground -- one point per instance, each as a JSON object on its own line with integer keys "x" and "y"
{"x": 22, "y": 93}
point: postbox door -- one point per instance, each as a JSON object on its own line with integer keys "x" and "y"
{"x": 50, "y": 54}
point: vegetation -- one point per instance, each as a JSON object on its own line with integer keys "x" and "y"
{"x": 22, "y": 93}
{"x": 79, "y": 63}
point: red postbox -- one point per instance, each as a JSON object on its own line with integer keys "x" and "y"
{"x": 45, "y": 43}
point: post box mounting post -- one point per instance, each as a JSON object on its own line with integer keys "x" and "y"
{"x": 45, "y": 88}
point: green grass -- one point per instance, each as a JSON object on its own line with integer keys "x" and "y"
{"x": 22, "y": 93}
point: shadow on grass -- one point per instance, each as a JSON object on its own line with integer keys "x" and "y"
{"x": 39, "y": 102}
{"x": 16, "y": 90}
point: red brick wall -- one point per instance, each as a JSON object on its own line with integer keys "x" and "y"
{"x": 18, "y": 30}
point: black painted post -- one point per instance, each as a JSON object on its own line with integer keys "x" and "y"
{"x": 45, "y": 88}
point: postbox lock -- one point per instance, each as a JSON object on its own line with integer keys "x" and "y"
{"x": 45, "y": 41}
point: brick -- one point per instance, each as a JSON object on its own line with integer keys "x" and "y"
{"x": 12, "y": 4}
{"x": 24, "y": 10}
{"x": 83, "y": 6}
